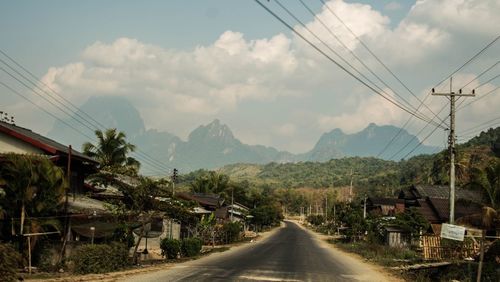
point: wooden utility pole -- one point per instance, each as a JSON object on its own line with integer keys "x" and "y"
{"x": 451, "y": 141}
{"x": 326, "y": 207}
{"x": 66, "y": 220}
{"x": 350, "y": 187}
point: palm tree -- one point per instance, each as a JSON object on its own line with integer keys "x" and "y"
{"x": 212, "y": 182}
{"x": 489, "y": 181}
{"x": 32, "y": 185}
{"x": 112, "y": 150}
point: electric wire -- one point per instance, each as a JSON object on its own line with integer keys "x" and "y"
{"x": 355, "y": 56}
{"x": 474, "y": 57}
{"x": 76, "y": 110}
{"x": 481, "y": 74}
{"x": 420, "y": 143}
{"x": 459, "y": 107}
{"x": 334, "y": 61}
{"x": 138, "y": 153}
{"x": 422, "y": 102}
{"x": 58, "y": 107}
{"x": 375, "y": 56}
{"x": 349, "y": 64}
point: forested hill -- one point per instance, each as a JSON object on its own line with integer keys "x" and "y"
{"x": 472, "y": 158}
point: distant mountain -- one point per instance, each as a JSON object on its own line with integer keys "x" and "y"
{"x": 214, "y": 145}
{"x": 109, "y": 112}
{"x": 367, "y": 143}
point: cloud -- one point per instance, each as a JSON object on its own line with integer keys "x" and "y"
{"x": 393, "y": 6}
{"x": 369, "y": 109}
{"x": 459, "y": 16}
{"x": 287, "y": 129}
{"x": 183, "y": 88}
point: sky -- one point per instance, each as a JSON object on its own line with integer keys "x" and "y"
{"x": 185, "y": 63}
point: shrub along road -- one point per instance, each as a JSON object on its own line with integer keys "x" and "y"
{"x": 292, "y": 253}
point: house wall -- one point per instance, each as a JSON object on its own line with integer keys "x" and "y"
{"x": 396, "y": 239}
{"x": 9, "y": 144}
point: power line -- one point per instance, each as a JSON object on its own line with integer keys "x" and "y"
{"x": 345, "y": 61}
{"x": 481, "y": 125}
{"x": 357, "y": 58}
{"x": 421, "y": 142}
{"x": 335, "y": 62}
{"x": 96, "y": 124}
{"x": 51, "y": 114}
{"x": 375, "y": 56}
{"x": 474, "y": 57}
{"x": 422, "y": 102}
{"x": 481, "y": 74}
{"x": 476, "y": 100}
{"x": 56, "y": 106}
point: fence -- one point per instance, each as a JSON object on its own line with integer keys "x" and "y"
{"x": 434, "y": 248}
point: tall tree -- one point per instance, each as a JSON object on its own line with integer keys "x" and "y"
{"x": 33, "y": 186}
{"x": 211, "y": 182}
{"x": 112, "y": 151}
{"x": 489, "y": 181}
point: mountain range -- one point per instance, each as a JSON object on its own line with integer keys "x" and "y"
{"x": 214, "y": 145}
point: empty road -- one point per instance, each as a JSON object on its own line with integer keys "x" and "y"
{"x": 290, "y": 254}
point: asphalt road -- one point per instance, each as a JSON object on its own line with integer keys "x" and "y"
{"x": 290, "y": 254}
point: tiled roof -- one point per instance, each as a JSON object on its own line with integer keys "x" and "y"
{"x": 48, "y": 145}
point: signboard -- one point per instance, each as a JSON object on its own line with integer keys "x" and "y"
{"x": 452, "y": 232}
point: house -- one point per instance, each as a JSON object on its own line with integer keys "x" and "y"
{"x": 209, "y": 203}
{"x": 415, "y": 192}
{"x": 437, "y": 211}
{"x": 233, "y": 212}
{"x": 433, "y": 202}
{"x": 396, "y": 236}
{"x": 385, "y": 206}
{"x": 20, "y": 140}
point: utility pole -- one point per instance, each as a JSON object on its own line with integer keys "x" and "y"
{"x": 232, "y": 203}
{"x": 326, "y": 208}
{"x": 174, "y": 178}
{"x": 451, "y": 141}
{"x": 67, "y": 222}
{"x": 364, "y": 208}
{"x": 350, "y": 188}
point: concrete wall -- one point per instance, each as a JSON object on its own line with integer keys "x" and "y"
{"x": 8, "y": 144}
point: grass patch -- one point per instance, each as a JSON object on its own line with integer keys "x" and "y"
{"x": 382, "y": 255}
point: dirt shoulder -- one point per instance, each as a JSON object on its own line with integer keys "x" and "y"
{"x": 372, "y": 272}
{"x": 158, "y": 266}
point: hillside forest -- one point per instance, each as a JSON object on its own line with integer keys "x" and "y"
{"x": 296, "y": 185}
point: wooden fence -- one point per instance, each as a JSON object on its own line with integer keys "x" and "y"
{"x": 434, "y": 249}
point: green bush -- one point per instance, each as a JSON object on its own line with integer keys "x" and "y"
{"x": 232, "y": 231}
{"x": 100, "y": 258}
{"x": 170, "y": 248}
{"x": 9, "y": 261}
{"x": 191, "y": 247}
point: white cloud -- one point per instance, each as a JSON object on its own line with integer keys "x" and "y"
{"x": 287, "y": 129}
{"x": 219, "y": 78}
{"x": 462, "y": 16}
{"x": 369, "y": 109}
{"x": 392, "y": 6}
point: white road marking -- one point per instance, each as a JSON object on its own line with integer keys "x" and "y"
{"x": 266, "y": 278}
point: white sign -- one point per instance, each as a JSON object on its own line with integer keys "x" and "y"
{"x": 452, "y": 232}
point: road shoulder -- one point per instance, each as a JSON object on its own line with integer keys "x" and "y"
{"x": 373, "y": 272}
{"x": 162, "y": 266}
